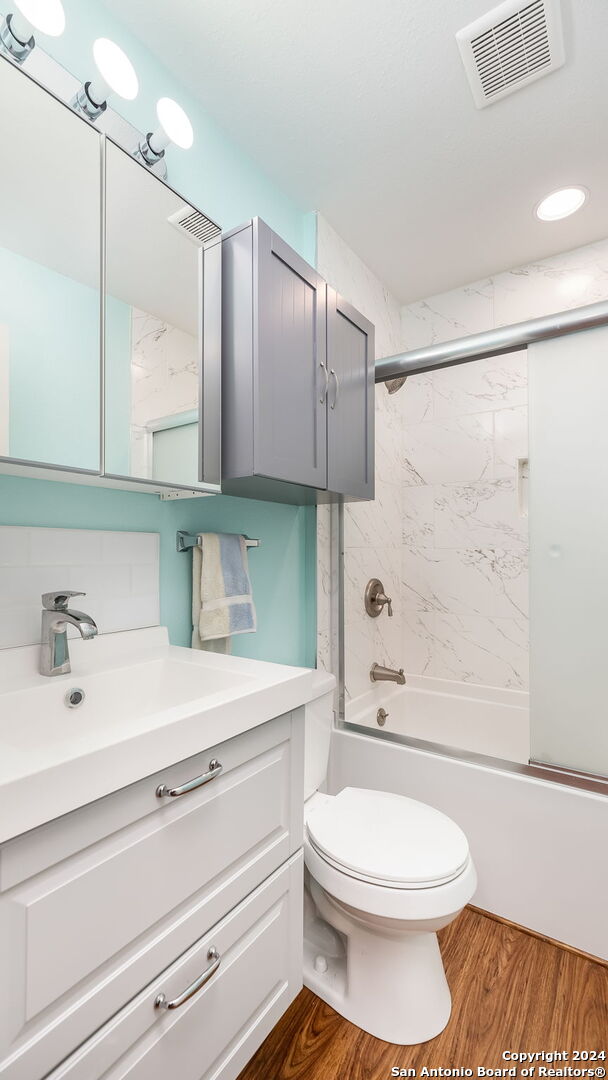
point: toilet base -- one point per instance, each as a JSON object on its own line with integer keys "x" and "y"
{"x": 389, "y": 982}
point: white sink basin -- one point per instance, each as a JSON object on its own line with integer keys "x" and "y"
{"x": 114, "y": 698}
{"x": 146, "y": 705}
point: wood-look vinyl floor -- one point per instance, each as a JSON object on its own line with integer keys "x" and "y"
{"x": 510, "y": 991}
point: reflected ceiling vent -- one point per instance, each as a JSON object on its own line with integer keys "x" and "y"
{"x": 198, "y": 227}
{"x": 511, "y": 46}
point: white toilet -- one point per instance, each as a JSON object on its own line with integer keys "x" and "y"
{"x": 383, "y": 874}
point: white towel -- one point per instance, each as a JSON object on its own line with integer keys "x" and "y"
{"x": 222, "y": 601}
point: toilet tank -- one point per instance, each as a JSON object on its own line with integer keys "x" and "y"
{"x": 318, "y": 722}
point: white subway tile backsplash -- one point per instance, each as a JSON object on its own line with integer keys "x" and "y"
{"x": 64, "y": 547}
{"x": 13, "y": 544}
{"x": 118, "y": 571}
{"x": 137, "y": 549}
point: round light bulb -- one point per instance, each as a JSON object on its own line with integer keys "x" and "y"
{"x": 47, "y": 16}
{"x": 560, "y": 204}
{"x": 174, "y": 123}
{"x": 116, "y": 73}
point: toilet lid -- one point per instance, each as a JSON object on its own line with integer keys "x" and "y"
{"x": 387, "y": 838}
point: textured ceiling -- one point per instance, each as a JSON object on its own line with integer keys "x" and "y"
{"x": 362, "y": 111}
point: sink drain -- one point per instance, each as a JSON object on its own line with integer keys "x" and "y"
{"x": 74, "y": 697}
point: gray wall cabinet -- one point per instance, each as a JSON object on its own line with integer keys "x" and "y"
{"x": 122, "y": 900}
{"x": 298, "y": 377}
{"x": 351, "y": 394}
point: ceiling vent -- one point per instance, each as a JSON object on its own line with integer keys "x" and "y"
{"x": 198, "y": 228}
{"x": 511, "y": 46}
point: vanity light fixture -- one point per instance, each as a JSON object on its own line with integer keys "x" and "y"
{"x": 17, "y": 30}
{"x": 115, "y": 75}
{"x": 562, "y": 203}
{"x": 173, "y": 127}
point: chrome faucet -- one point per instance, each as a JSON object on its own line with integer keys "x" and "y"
{"x": 379, "y": 673}
{"x": 56, "y": 616}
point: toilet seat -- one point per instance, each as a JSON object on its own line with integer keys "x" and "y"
{"x": 386, "y": 840}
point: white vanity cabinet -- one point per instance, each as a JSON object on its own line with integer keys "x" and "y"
{"x": 137, "y": 895}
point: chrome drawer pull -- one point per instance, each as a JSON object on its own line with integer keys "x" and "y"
{"x": 215, "y": 768}
{"x": 161, "y": 1001}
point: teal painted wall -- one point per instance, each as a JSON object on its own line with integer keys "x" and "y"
{"x": 217, "y": 176}
{"x": 53, "y": 326}
{"x": 282, "y": 569}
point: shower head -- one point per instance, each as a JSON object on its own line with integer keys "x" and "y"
{"x": 393, "y": 385}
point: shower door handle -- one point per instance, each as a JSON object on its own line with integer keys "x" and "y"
{"x": 337, "y": 394}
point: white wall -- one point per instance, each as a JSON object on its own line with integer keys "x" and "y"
{"x": 539, "y": 848}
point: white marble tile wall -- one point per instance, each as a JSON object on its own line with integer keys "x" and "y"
{"x": 465, "y": 570}
{"x": 444, "y": 532}
{"x": 164, "y": 378}
{"x": 118, "y": 571}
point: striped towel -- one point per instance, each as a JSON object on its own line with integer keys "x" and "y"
{"x": 222, "y": 602}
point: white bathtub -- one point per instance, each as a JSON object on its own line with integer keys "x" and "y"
{"x": 478, "y": 719}
{"x": 539, "y": 847}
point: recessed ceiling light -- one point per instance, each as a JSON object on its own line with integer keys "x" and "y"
{"x": 560, "y": 204}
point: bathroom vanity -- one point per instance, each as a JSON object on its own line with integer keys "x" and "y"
{"x": 151, "y": 865}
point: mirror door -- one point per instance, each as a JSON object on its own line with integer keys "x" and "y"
{"x": 153, "y": 331}
{"x": 50, "y": 268}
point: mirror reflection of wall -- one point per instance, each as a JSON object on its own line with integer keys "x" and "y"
{"x": 49, "y": 278}
{"x": 152, "y": 327}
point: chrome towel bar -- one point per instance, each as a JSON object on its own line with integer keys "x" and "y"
{"x": 184, "y": 541}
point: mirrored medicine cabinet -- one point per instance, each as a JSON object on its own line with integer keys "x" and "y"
{"x": 110, "y": 308}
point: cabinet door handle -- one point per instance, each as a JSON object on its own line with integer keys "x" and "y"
{"x": 335, "y": 401}
{"x": 161, "y": 1001}
{"x": 323, "y": 398}
{"x": 215, "y": 768}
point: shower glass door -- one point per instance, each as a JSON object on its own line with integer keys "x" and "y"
{"x": 568, "y": 518}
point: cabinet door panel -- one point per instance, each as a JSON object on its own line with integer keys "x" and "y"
{"x": 50, "y": 264}
{"x": 289, "y": 398}
{"x": 82, "y": 931}
{"x": 350, "y": 414}
{"x": 214, "y": 1033}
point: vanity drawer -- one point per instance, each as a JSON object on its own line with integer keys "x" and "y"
{"x": 82, "y": 937}
{"x": 215, "y": 1031}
